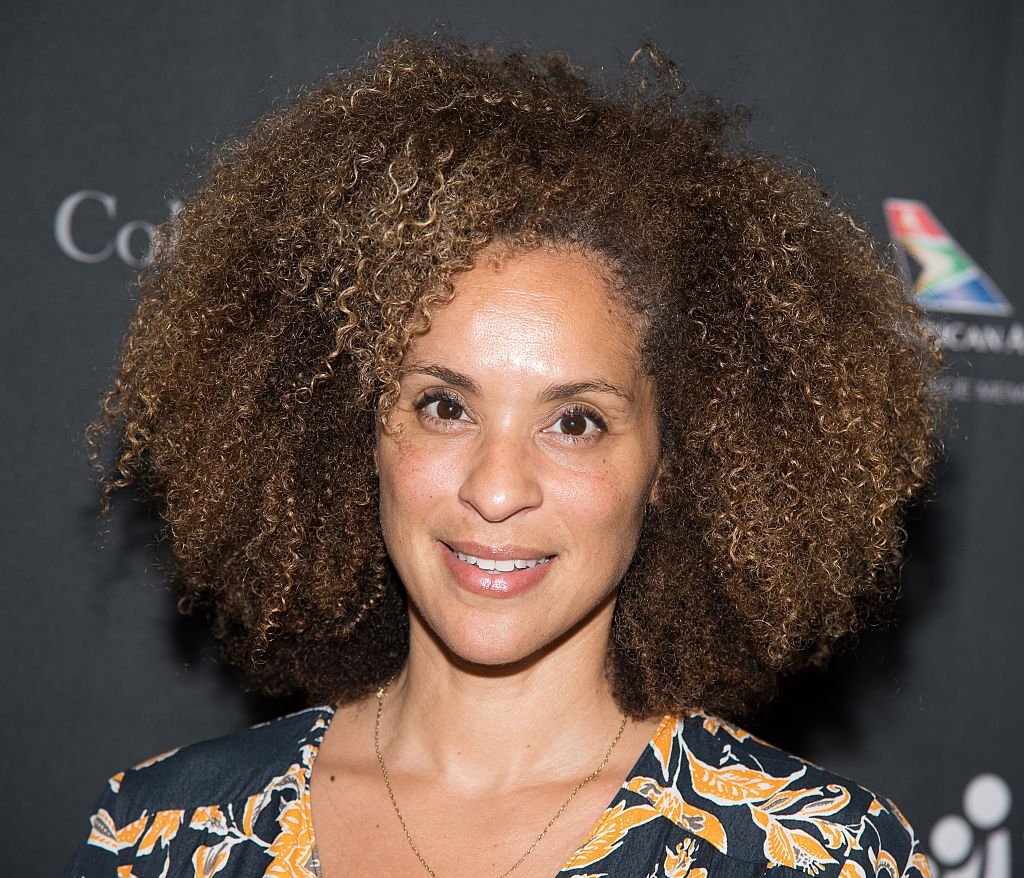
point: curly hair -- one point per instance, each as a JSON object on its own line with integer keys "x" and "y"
{"x": 792, "y": 372}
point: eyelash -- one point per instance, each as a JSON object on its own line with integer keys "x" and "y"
{"x": 432, "y": 396}
{"x": 581, "y": 411}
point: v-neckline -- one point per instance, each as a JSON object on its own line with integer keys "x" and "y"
{"x": 329, "y": 711}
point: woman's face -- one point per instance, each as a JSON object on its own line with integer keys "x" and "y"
{"x": 517, "y": 462}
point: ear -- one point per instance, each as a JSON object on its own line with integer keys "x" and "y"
{"x": 654, "y": 492}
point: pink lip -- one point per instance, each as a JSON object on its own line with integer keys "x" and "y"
{"x": 492, "y": 582}
{"x": 498, "y": 553}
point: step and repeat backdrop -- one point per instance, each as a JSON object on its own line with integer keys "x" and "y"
{"x": 912, "y": 113}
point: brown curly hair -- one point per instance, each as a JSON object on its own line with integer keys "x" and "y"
{"x": 791, "y": 370}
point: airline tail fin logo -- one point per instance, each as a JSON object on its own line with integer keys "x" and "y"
{"x": 943, "y": 276}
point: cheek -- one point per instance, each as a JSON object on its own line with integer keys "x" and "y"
{"x": 606, "y": 503}
{"x": 411, "y": 481}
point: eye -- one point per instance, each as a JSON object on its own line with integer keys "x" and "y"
{"x": 440, "y": 405}
{"x": 579, "y": 424}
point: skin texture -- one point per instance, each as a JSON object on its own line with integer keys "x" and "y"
{"x": 504, "y": 704}
{"x": 502, "y": 470}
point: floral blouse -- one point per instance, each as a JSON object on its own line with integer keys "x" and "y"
{"x": 705, "y": 798}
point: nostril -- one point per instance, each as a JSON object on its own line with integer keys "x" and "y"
{"x": 500, "y": 481}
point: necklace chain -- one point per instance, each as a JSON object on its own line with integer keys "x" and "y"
{"x": 408, "y": 836}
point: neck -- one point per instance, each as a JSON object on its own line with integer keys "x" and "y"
{"x": 483, "y": 727}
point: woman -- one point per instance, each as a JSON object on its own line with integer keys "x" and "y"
{"x": 531, "y": 428}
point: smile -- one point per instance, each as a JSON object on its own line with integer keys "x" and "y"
{"x": 503, "y": 577}
{"x": 502, "y": 565}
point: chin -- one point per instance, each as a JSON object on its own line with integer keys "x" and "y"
{"x": 492, "y": 650}
{"x": 506, "y": 635}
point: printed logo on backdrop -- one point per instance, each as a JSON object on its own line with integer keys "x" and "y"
{"x": 88, "y": 228}
{"x": 947, "y": 279}
{"x": 976, "y": 843}
{"x": 971, "y": 314}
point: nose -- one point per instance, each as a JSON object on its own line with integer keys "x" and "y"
{"x": 502, "y": 476}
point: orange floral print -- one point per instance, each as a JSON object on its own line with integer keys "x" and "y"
{"x": 208, "y": 861}
{"x": 669, "y": 803}
{"x": 164, "y": 827}
{"x": 679, "y": 863}
{"x": 704, "y": 798}
{"x": 609, "y": 833}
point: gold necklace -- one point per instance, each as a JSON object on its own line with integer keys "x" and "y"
{"x": 391, "y": 793}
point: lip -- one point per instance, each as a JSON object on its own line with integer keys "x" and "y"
{"x": 498, "y": 553}
{"x": 492, "y": 583}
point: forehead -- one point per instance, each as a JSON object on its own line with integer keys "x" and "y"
{"x": 547, "y": 311}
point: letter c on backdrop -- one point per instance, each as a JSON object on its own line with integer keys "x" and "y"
{"x": 65, "y": 215}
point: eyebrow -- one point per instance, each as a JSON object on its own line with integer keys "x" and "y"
{"x": 554, "y": 393}
{"x": 575, "y": 388}
{"x": 448, "y": 376}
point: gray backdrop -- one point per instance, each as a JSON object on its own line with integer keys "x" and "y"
{"x": 106, "y": 107}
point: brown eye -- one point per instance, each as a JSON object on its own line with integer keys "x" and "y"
{"x": 573, "y": 423}
{"x": 449, "y": 410}
{"x": 579, "y": 424}
{"x": 442, "y": 407}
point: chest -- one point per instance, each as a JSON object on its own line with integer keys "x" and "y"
{"x": 359, "y": 831}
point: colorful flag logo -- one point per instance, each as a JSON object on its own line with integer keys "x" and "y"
{"x": 943, "y": 276}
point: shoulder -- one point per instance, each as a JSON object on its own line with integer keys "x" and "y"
{"x": 232, "y": 788}
{"x": 225, "y": 769}
{"x": 757, "y": 803}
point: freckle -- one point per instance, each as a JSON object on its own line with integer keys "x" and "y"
{"x": 332, "y": 778}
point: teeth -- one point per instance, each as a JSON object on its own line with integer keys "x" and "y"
{"x": 502, "y": 566}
